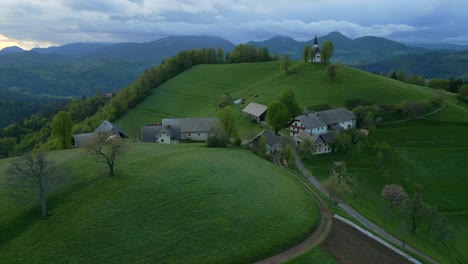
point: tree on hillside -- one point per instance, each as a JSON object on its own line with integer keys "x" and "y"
{"x": 412, "y": 109}
{"x": 463, "y": 93}
{"x": 306, "y": 148}
{"x": 415, "y": 208}
{"x": 220, "y": 54}
{"x": 286, "y": 63}
{"x": 288, "y": 98}
{"x": 62, "y": 129}
{"x": 277, "y": 115}
{"x": 336, "y": 187}
{"x": 228, "y": 121}
{"x": 31, "y": 173}
{"x": 106, "y": 148}
{"x": 395, "y": 194}
{"x": 441, "y": 228}
{"x": 331, "y": 72}
{"x": 306, "y": 53}
{"x": 327, "y": 51}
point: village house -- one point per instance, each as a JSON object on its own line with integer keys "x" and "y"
{"x": 316, "y": 55}
{"x": 176, "y": 129}
{"x": 272, "y": 142}
{"x": 106, "y": 127}
{"x": 321, "y": 127}
{"x": 256, "y": 111}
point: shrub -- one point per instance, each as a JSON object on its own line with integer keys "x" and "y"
{"x": 412, "y": 109}
{"x": 463, "y": 93}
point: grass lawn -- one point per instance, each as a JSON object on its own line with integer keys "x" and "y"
{"x": 167, "y": 204}
{"x": 196, "y": 92}
{"x": 425, "y": 152}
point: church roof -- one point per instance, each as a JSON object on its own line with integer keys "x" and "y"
{"x": 315, "y": 40}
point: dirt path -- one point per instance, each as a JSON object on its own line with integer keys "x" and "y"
{"x": 319, "y": 234}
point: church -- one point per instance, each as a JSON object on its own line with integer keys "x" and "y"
{"x": 315, "y": 55}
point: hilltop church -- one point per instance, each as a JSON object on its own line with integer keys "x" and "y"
{"x": 315, "y": 55}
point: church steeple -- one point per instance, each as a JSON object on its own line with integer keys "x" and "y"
{"x": 315, "y": 42}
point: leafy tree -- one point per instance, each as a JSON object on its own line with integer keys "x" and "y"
{"x": 62, "y": 129}
{"x": 7, "y": 145}
{"x": 463, "y": 93}
{"x": 441, "y": 228}
{"x": 106, "y": 148}
{"x": 331, "y": 71}
{"x": 439, "y": 84}
{"x": 228, "y": 122}
{"x": 401, "y": 75}
{"x": 431, "y": 216}
{"x": 277, "y": 115}
{"x": 415, "y": 208}
{"x": 395, "y": 194}
{"x": 288, "y": 98}
{"x": 306, "y": 53}
{"x": 220, "y": 54}
{"x": 336, "y": 187}
{"x": 416, "y": 80}
{"x": 286, "y": 63}
{"x": 327, "y": 51}
{"x": 412, "y": 109}
{"x": 32, "y": 173}
{"x": 343, "y": 142}
{"x": 306, "y": 148}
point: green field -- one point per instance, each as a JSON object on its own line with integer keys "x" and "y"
{"x": 425, "y": 152}
{"x": 195, "y": 92}
{"x": 167, "y": 204}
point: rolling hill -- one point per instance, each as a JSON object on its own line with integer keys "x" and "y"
{"x": 429, "y": 152}
{"x": 238, "y": 209}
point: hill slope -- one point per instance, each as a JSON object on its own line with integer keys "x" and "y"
{"x": 195, "y": 92}
{"x": 168, "y": 203}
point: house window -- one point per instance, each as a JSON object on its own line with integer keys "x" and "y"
{"x": 189, "y": 134}
{"x": 162, "y": 140}
{"x": 198, "y": 134}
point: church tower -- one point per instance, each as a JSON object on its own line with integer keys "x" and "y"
{"x": 316, "y": 55}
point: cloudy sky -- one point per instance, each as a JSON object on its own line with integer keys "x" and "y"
{"x": 41, "y": 23}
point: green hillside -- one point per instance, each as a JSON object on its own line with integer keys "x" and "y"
{"x": 195, "y": 92}
{"x": 430, "y": 152}
{"x": 167, "y": 204}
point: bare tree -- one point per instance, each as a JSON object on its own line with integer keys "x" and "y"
{"x": 395, "y": 194}
{"x": 32, "y": 173}
{"x": 106, "y": 148}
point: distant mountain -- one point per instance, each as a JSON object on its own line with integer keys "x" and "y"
{"x": 160, "y": 49}
{"x": 73, "y": 49}
{"x": 11, "y": 50}
{"x": 358, "y": 51}
{"x": 440, "y": 46}
{"x": 434, "y": 64}
{"x": 82, "y": 69}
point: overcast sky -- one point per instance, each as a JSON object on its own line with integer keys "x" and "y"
{"x": 41, "y": 23}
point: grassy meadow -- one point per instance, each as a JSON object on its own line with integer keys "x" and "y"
{"x": 425, "y": 152}
{"x": 167, "y": 204}
{"x": 196, "y": 92}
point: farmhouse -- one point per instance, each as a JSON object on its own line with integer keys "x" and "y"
{"x": 257, "y": 112}
{"x": 321, "y": 127}
{"x": 322, "y": 142}
{"x": 338, "y": 119}
{"x": 272, "y": 142}
{"x": 105, "y": 127}
{"x": 175, "y": 129}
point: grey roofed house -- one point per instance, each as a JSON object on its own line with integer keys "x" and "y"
{"x": 274, "y": 142}
{"x": 107, "y": 126}
{"x": 148, "y": 133}
{"x": 81, "y": 140}
{"x": 337, "y": 115}
{"x": 328, "y": 137}
{"x": 174, "y": 125}
{"x": 257, "y": 111}
{"x": 190, "y": 125}
{"x": 311, "y": 121}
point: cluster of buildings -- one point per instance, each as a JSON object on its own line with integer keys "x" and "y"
{"x": 320, "y": 127}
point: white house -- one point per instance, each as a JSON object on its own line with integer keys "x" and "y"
{"x": 309, "y": 123}
{"x": 322, "y": 142}
{"x": 257, "y": 112}
{"x": 338, "y": 117}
